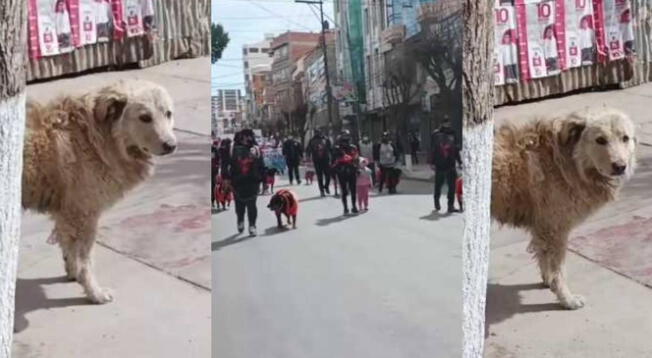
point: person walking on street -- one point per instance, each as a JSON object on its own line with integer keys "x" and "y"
{"x": 414, "y": 147}
{"x": 244, "y": 172}
{"x": 364, "y": 184}
{"x": 293, "y": 153}
{"x": 387, "y": 156}
{"x": 215, "y": 169}
{"x": 444, "y": 157}
{"x": 346, "y": 164}
{"x": 319, "y": 150}
{"x": 367, "y": 152}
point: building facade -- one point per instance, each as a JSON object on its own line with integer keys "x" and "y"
{"x": 256, "y": 63}
{"x": 287, "y": 49}
{"x": 227, "y": 111}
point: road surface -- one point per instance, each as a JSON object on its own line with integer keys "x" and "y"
{"x": 383, "y": 284}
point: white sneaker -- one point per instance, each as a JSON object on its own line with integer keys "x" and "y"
{"x": 240, "y": 227}
{"x": 252, "y": 230}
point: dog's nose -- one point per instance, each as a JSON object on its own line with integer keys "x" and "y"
{"x": 618, "y": 168}
{"x": 169, "y": 147}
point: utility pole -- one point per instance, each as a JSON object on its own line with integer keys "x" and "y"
{"x": 329, "y": 93}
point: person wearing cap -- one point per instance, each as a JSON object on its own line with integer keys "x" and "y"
{"x": 319, "y": 150}
{"x": 443, "y": 158}
{"x": 244, "y": 170}
{"x": 387, "y": 156}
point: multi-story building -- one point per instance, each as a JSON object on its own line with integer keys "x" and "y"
{"x": 350, "y": 60}
{"x": 256, "y": 61}
{"x": 227, "y": 111}
{"x": 286, "y": 49}
{"x": 314, "y": 86}
{"x": 375, "y": 22}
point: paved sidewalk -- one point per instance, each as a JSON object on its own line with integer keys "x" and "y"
{"x": 153, "y": 248}
{"x": 609, "y": 263}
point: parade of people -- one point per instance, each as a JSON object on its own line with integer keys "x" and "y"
{"x": 245, "y": 169}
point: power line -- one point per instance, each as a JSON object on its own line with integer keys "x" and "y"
{"x": 253, "y": 2}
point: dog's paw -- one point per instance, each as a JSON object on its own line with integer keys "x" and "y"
{"x": 574, "y": 302}
{"x": 53, "y": 239}
{"x": 102, "y": 296}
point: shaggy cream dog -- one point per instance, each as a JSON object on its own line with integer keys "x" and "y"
{"x": 83, "y": 153}
{"x": 549, "y": 175}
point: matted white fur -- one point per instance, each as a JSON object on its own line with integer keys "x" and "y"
{"x": 83, "y": 153}
{"x": 550, "y": 174}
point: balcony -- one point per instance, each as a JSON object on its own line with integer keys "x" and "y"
{"x": 394, "y": 34}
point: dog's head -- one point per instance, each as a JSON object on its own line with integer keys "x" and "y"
{"x": 601, "y": 140}
{"x": 141, "y": 115}
{"x": 277, "y": 204}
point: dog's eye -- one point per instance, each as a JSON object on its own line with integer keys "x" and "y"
{"x": 146, "y": 118}
{"x": 625, "y": 139}
{"x": 168, "y": 114}
{"x": 601, "y": 140}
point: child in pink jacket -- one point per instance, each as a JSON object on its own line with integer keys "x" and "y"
{"x": 363, "y": 184}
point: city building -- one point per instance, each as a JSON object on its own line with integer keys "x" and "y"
{"x": 256, "y": 63}
{"x": 227, "y": 111}
{"x": 287, "y": 49}
{"x": 350, "y": 81}
{"x": 314, "y": 87}
{"x": 375, "y": 22}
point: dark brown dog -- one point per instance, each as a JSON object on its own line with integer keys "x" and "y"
{"x": 284, "y": 202}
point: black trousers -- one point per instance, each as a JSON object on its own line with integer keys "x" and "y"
{"x": 323, "y": 176}
{"x": 415, "y": 157}
{"x": 445, "y": 176}
{"x": 213, "y": 177}
{"x": 248, "y": 206}
{"x": 293, "y": 172}
{"x": 348, "y": 186}
{"x": 384, "y": 178}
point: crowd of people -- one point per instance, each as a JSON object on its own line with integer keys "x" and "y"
{"x": 240, "y": 173}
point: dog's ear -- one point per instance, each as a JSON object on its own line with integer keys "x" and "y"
{"x": 571, "y": 130}
{"x": 109, "y": 106}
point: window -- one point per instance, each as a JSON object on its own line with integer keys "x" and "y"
{"x": 244, "y": 51}
{"x": 246, "y": 64}
{"x": 264, "y": 50}
{"x": 253, "y": 50}
{"x": 366, "y": 20}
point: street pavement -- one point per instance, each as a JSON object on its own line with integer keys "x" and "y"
{"x": 382, "y": 284}
{"x": 609, "y": 263}
{"x": 153, "y": 247}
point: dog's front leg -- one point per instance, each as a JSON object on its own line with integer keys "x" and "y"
{"x": 551, "y": 262}
{"x": 78, "y": 234}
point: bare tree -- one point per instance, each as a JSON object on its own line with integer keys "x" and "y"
{"x": 13, "y": 40}
{"x": 401, "y": 87}
{"x": 478, "y": 99}
{"x": 438, "y": 48}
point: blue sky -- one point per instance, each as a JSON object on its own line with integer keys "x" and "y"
{"x": 247, "y": 21}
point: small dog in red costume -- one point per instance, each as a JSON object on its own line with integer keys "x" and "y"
{"x": 223, "y": 194}
{"x": 284, "y": 202}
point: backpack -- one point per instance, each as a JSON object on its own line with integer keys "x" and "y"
{"x": 245, "y": 163}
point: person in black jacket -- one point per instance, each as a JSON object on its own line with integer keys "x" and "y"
{"x": 243, "y": 170}
{"x": 345, "y": 165}
{"x": 319, "y": 150}
{"x": 293, "y": 154}
{"x": 444, "y": 156}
